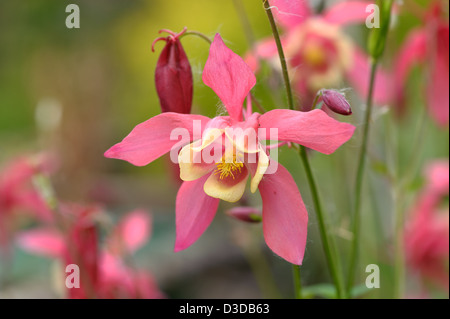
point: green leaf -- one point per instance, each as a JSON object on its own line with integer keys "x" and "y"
{"x": 327, "y": 291}
{"x": 359, "y": 291}
{"x": 380, "y": 167}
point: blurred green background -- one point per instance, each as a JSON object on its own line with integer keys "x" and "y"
{"x": 79, "y": 91}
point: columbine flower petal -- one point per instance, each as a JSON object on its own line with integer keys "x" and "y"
{"x": 227, "y": 74}
{"x": 42, "y": 241}
{"x": 437, "y": 90}
{"x": 263, "y": 164}
{"x": 195, "y": 211}
{"x": 192, "y": 165}
{"x": 285, "y": 219}
{"x": 229, "y": 188}
{"x": 347, "y": 12}
{"x": 413, "y": 51}
{"x": 290, "y": 13}
{"x": 131, "y": 233}
{"x": 358, "y": 76}
{"x": 314, "y": 129}
{"x": 151, "y": 139}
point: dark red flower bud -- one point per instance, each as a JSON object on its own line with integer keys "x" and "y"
{"x": 173, "y": 75}
{"x": 336, "y": 102}
{"x": 246, "y": 214}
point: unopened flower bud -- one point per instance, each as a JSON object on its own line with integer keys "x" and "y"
{"x": 246, "y": 214}
{"x": 336, "y": 102}
{"x": 173, "y": 75}
{"x": 377, "y": 37}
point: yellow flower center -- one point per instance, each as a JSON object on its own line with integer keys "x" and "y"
{"x": 314, "y": 55}
{"x": 227, "y": 168}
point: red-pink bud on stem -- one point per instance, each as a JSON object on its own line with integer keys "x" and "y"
{"x": 246, "y": 214}
{"x": 336, "y": 102}
{"x": 173, "y": 75}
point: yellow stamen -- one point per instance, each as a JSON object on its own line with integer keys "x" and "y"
{"x": 314, "y": 55}
{"x": 226, "y": 169}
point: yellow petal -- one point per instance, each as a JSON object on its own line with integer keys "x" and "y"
{"x": 263, "y": 163}
{"x": 244, "y": 140}
{"x": 230, "y": 188}
{"x": 191, "y": 163}
{"x": 208, "y": 137}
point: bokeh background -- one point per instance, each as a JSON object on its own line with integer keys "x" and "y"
{"x": 76, "y": 92}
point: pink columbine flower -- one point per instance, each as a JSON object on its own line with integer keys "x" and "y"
{"x": 76, "y": 243}
{"x": 427, "y": 233}
{"x": 19, "y": 196}
{"x": 205, "y": 183}
{"x": 319, "y": 54}
{"x": 428, "y": 46}
{"x": 117, "y": 280}
{"x": 103, "y": 272}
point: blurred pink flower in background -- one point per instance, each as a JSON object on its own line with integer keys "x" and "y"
{"x": 18, "y": 196}
{"x": 427, "y": 46}
{"x": 117, "y": 279}
{"x": 427, "y": 233}
{"x": 319, "y": 54}
{"x": 103, "y": 272}
{"x": 75, "y": 243}
{"x": 284, "y": 214}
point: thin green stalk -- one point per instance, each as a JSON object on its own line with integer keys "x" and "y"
{"x": 297, "y": 281}
{"x": 262, "y": 272}
{"x": 198, "y": 34}
{"x": 359, "y": 182}
{"x": 327, "y": 242}
{"x": 399, "y": 259}
{"x": 257, "y": 104}
{"x": 316, "y": 99}
{"x": 400, "y": 190}
{"x": 321, "y": 6}
{"x": 276, "y": 36}
{"x": 245, "y": 23}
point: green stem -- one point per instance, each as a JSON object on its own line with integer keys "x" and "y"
{"x": 399, "y": 259}
{"x": 327, "y": 243}
{"x": 321, "y": 6}
{"x": 284, "y": 68}
{"x": 258, "y": 105}
{"x": 245, "y": 23}
{"x": 297, "y": 281}
{"x": 359, "y": 182}
{"x": 316, "y": 99}
{"x": 199, "y": 34}
{"x": 414, "y": 160}
{"x": 262, "y": 272}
